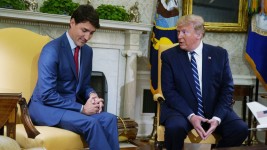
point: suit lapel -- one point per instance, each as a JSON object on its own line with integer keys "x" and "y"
{"x": 186, "y": 65}
{"x": 68, "y": 52}
{"x": 81, "y": 69}
{"x": 81, "y": 62}
{"x": 206, "y": 71}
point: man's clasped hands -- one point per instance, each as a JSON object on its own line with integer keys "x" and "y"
{"x": 93, "y": 105}
{"x": 197, "y": 122}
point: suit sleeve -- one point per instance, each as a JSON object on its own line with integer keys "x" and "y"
{"x": 48, "y": 67}
{"x": 87, "y": 78}
{"x": 225, "y": 92}
{"x": 174, "y": 100}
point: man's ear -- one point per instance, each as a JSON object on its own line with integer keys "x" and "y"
{"x": 198, "y": 36}
{"x": 72, "y": 22}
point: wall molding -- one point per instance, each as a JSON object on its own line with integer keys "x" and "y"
{"x": 238, "y": 79}
{"x": 38, "y": 17}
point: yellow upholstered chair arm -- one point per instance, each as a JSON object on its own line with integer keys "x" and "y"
{"x": 158, "y": 97}
{"x": 30, "y": 129}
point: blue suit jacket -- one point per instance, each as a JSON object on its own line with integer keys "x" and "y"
{"x": 178, "y": 84}
{"x": 58, "y": 88}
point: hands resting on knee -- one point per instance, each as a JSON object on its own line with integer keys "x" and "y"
{"x": 198, "y": 121}
{"x": 93, "y": 105}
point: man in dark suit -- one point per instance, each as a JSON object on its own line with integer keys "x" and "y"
{"x": 62, "y": 96}
{"x": 198, "y": 97}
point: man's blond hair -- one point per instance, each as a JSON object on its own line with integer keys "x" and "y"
{"x": 196, "y": 21}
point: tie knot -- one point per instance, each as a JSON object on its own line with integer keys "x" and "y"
{"x": 193, "y": 53}
{"x": 77, "y": 48}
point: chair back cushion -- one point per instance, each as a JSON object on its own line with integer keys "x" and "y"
{"x": 19, "y": 53}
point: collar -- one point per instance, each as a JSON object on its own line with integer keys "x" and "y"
{"x": 72, "y": 44}
{"x": 198, "y": 50}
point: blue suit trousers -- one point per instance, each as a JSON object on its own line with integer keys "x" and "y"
{"x": 99, "y": 130}
{"x": 232, "y": 131}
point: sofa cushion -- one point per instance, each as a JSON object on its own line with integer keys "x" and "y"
{"x": 51, "y": 138}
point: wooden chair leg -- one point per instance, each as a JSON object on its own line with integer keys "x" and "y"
{"x": 159, "y": 145}
{"x": 213, "y": 146}
{"x": 2, "y": 131}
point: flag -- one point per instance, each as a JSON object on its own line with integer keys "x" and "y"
{"x": 164, "y": 32}
{"x": 256, "y": 49}
{"x": 253, "y": 6}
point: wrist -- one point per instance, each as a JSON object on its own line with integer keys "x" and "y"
{"x": 190, "y": 116}
{"x": 217, "y": 119}
{"x": 92, "y": 92}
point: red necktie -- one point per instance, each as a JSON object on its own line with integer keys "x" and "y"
{"x": 76, "y": 59}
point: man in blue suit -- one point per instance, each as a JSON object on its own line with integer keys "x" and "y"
{"x": 202, "y": 101}
{"x": 62, "y": 96}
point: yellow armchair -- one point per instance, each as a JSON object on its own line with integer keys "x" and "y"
{"x": 19, "y": 53}
{"x": 192, "y": 136}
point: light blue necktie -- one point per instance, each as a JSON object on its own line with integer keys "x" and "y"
{"x": 200, "y": 111}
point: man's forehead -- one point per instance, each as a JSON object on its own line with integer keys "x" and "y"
{"x": 187, "y": 27}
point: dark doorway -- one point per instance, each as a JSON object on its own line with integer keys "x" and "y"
{"x": 149, "y": 105}
{"x": 99, "y": 84}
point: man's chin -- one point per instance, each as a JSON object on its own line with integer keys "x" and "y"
{"x": 82, "y": 44}
{"x": 182, "y": 46}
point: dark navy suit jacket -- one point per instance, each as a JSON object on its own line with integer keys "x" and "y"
{"x": 58, "y": 87}
{"x": 178, "y": 84}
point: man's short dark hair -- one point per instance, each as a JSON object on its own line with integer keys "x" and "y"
{"x": 86, "y": 13}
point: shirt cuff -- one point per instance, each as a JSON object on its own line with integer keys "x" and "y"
{"x": 217, "y": 118}
{"x": 190, "y": 116}
{"x": 81, "y": 110}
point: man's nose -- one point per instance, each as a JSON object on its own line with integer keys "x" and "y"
{"x": 87, "y": 36}
{"x": 179, "y": 35}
